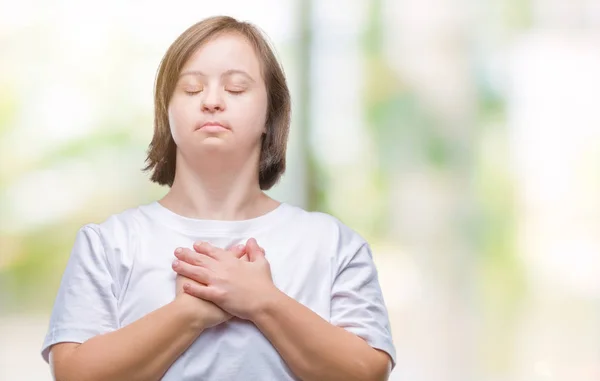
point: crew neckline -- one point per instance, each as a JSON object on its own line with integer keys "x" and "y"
{"x": 167, "y": 217}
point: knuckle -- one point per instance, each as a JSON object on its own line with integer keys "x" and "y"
{"x": 192, "y": 257}
{"x": 197, "y": 272}
{"x": 219, "y": 294}
{"x": 183, "y": 269}
{"x": 217, "y": 278}
{"x": 198, "y": 260}
{"x": 204, "y": 247}
{"x": 186, "y": 253}
{"x": 199, "y": 245}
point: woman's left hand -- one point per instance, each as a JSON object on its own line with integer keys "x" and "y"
{"x": 242, "y": 288}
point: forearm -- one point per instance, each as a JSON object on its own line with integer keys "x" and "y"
{"x": 314, "y": 349}
{"x": 143, "y": 350}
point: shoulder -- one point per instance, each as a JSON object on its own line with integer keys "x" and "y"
{"x": 113, "y": 238}
{"x": 327, "y": 227}
{"x": 116, "y": 227}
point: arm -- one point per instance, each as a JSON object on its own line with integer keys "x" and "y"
{"x": 131, "y": 353}
{"x": 86, "y": 312}
{"x": 315, "y": 349}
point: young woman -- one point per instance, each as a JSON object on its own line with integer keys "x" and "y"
{"x": 218, "y": 281}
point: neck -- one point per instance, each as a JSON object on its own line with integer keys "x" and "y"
{"x": 217, "y": 192}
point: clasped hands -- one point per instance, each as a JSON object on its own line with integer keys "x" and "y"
{"x": 225, "y": 282}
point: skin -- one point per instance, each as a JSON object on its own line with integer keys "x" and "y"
{"x": 145, "y": 349}
{"x": 217, "y": 172}
{"x": 312, "y": 347}
{"x": 217, "y": 178}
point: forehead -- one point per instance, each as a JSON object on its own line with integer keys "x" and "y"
{"x": 223, "y": 52}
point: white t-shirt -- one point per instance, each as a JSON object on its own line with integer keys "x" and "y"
{"x": 120, "y": 270}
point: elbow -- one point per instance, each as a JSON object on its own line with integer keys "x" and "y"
{"x": 64, "y": 376}
{"x": 377, "y": 367}
{"x": 75, "y": 372}
{"x": 71, "y": 372}
{"x": 378, "y": 373}
{"x": 369, "y": 372}
{"x": 65, "y": 364}
{"x": 68, "y": 374}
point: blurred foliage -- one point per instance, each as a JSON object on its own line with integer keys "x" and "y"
{"x": 8, "y": 108}
{"x": 501, "y": 277}
{"x": 462, "y": 260}
{"x": 405, "y": 135}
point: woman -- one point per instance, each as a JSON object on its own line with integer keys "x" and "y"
{"x": 180, "y": 289}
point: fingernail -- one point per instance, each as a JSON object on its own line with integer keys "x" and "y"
{"x": 178, "y": 250}
{"x": 175, "y": 263}
{"x": 239, "y": 247}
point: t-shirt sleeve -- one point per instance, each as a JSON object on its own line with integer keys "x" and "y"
{"x": 357, "y": 303}
{"x": 86, "y": 305}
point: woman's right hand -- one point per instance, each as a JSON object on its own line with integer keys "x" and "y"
{"x": 208, "y": 312}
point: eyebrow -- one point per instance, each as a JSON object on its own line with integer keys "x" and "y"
{"x": 229, "y": 72}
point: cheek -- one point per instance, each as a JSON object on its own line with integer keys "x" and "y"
{"x": 251, "y": 115}
{"x": 178, "y": 119}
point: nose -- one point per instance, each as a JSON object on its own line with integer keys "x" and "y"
{"x": 213, "y": 101}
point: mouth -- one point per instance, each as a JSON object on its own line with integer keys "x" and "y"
{"x": 213, "y": 127}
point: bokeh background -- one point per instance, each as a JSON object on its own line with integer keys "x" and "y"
{"x": 461, "y": 138}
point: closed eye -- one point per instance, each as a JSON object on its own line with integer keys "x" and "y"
{"x": 235, "y": 91}
{"x": 192, "y": 92}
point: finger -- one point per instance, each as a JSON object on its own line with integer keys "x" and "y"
{"x": 254, "y": 251}
{"x": 201, "y": 291}
{"x": 196, "y": 273}
{"x": 238, "y": 250}
{"x": 207, "y": 249}
{"x": 194, "y": 258}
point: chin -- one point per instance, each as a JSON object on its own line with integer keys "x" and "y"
{"x": 211, "y": 135}
{"x": 212, "y": 142}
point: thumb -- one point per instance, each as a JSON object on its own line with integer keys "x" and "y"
{"x": 254, "y": 251}
{"x": 238, "y": 250}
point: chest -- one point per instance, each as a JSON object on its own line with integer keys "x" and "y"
{"x": 300, "y": 268}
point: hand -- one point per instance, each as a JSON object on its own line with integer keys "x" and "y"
{"x": 242, "y": 288}
{"x": 208, "y": 313}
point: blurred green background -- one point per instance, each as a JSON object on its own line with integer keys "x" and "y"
{"x": 462, "y": 139}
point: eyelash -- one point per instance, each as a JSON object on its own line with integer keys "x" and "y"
{"x": 233, "y": 92}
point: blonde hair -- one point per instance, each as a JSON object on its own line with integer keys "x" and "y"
{"x": 161, "y": 158}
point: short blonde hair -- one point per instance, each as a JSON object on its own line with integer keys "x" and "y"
{"x": 162, "y": 150}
